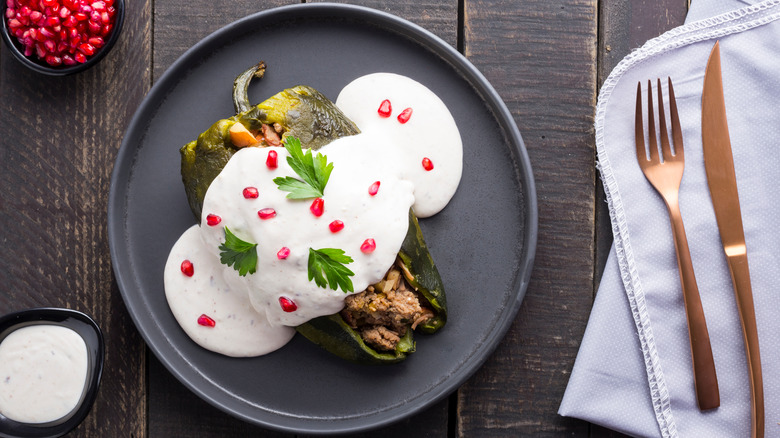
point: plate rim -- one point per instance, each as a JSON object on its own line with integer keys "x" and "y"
{"x": 125, "y": 159}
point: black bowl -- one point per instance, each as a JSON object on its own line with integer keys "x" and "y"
{"x": 39, "y": 65}
{"x": 93, "y": 338}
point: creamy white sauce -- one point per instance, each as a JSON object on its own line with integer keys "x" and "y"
{"x": 43, "y": 373}
{"x": 246, "y": 316}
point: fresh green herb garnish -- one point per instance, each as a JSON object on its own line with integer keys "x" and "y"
{"x": 328, "y": 263}
{"x": 313, "y": 170}
{"x": 241, "y": 255}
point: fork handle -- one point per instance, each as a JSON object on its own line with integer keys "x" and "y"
{"x": 740, "y": 275}
{"x": 704, "y": 377}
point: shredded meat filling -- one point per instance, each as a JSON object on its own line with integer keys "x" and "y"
{"x": 384, "y": 312}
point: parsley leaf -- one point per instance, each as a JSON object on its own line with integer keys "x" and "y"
{"x": 241, "y": 255}
{"x": 313, "y": 170}
{"x": 327, "y": 268}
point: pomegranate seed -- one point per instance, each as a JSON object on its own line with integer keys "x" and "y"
{"x": 385, "y": 109}
{"x": 266, "y": 213}
{"x": 49, "y": 3}
{"x": 405, "y": 116}
{"x": 87, "y": 49}
{"x": 105, "y": 17}
{"x": 14, "y": 23}
{"x": 64, "y": 13}
{"x": 70, "y": 21}
{"x": 70, "y": 4}
{"x": 251, "y": 193}
{"x": 272, "y": 160}
{"x": 336, "y": 226}
{"x": 427, "y": 164}
{"x": 52, "y": 21}
{"x": 46, "y": 33}
{"x": 368, "y": 246}
{"x": 287, "y": 304}
{"x": 40, "y": 51}
{"x": 80, "y": 16}
{"x": 373, "y": 189}
{"x": 206, "y": 321}
{"x": 187, "y": 268}
{"x": 10, "y": 13}
{"x": 24, "y": 11}
{"x": 35, "y": 16}
{"x": 107, "y": 29}
{"x": 96, "y": 41}
{"x": 211, "y": 219}
{"x": 317, "y": 207}
{"x": 68, "y": 60}
{"x": 50, "y": 45}
{"x": 99, "y": 6}
{"x": 53, "y": 61}
{"x": 283, "y": 253}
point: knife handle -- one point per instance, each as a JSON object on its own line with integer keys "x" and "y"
{"x": 740, "y": 275}
{"x": 705, "y": 379}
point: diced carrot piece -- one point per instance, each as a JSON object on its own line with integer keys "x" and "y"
{"x": 241, "y": 137}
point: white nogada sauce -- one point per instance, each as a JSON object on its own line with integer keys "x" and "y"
{"x": 43, "y": 373}
{"x": 248, "y": 317}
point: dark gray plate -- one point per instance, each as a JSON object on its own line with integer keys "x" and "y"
{"x": 483, "y": 242}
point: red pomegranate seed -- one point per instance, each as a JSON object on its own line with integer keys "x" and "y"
{"x": 35, "y": 16}
{"x": 385, "y": 108}
{"x": 317, "y": 207}
{"x": 251, "y": 193}
{"x": 287, "y": 304}
{"x": 52, "y": 21}
{"x": 272, "y": 160}
{"x": 283, "y": 253}
{"x": 405, "y": 115}
{"x": 64, "y": 13}
{"x": 266, "y": 213}
{"x": 96, "y": 41}
{"x": 80, "y": 16}
{"x": 70, "y": 21}
{"x": 368, "y": 246}
{"x": 53, "y": 60}
{"x": 336, "y": 226}
{"x": 68, "y": 60}
{"x": 427, "y": 164}
{"x": 206, "y": 321}
{"x": 213, "y": 220}
{"x": 187, "y": 268}
{"x": 94, "y": 27}
{"x": 373, "y": 189}
{"x": 51, "y": 46}
{"x": 87, "y": 49}
{"x": 49, "y": 3}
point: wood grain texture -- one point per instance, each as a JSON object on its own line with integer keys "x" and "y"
{"x": 541, "y": 57}
{"x": 59, "y": 140}
{"x": 180, "y": 26}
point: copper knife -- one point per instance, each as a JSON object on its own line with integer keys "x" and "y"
{"x": 719, "y": 165}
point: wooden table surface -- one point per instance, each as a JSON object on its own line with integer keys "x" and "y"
{"x": 59, "y": 138}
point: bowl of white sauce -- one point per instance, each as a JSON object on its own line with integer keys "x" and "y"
{"x": 51, "y": 361}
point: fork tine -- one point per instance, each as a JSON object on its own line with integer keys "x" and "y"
{"x": 679, "y": 151}
{"x": 639, "y": 130}
{"x": 652, "y": 142}
{"x": 666, "y": 150}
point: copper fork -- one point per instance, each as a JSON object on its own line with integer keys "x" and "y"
{"x": 665, "y": 173}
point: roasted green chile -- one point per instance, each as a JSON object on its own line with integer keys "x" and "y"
{"x": 306, "y": 114}
{"x": 301, "y": 111}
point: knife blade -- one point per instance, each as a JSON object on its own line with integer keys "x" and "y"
{"x": 722, "y": 181}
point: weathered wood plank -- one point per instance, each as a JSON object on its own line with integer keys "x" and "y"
{"x": 59, "y": 140}
{"x": 173, "y": 410}
{"x": 541, "y": 56}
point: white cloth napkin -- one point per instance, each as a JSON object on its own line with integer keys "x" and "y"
{"x": 633, "y": 371}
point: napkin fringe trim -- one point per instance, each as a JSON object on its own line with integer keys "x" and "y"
{"x": 698, "y": 31}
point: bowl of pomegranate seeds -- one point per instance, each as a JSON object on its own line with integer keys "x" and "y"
{"x": 61, "y": 37}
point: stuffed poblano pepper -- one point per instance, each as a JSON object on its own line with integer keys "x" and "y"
{"x": 376, "y": 325}
{"x": 301, "y": 112}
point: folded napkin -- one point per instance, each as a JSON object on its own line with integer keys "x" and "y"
{"x": 633, "y": 372}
